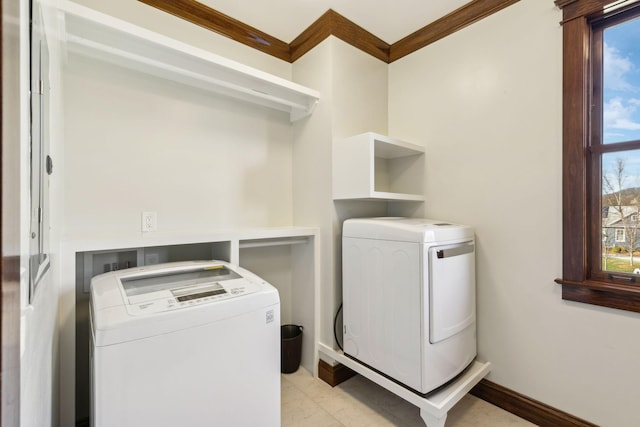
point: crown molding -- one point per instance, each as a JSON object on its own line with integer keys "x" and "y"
{"x": 206, "y": 17}
{"x": 331, "y": 23}
{"x": 447, "y": 25}
{"x": 312, "y": 36}
{"x": 562, "y": 3}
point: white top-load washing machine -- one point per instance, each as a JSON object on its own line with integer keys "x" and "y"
{"x": 409, "y": 298}
{"x": 185, "y": 344}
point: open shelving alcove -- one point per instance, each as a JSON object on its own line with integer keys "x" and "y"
{"x": 371, "y": 166}
{"x": 284, "y": 257}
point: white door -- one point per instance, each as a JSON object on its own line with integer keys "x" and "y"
{"x": 452, "y": 290}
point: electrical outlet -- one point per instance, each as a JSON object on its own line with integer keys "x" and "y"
{"x": 149, "y": 221}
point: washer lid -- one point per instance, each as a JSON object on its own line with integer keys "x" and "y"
{"x": 146, "y": 301}
{"x": 419, "y": 230}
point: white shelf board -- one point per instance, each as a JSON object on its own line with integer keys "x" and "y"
{"x": 384, "y": 196}
{"x": 400, "y": 197}
{"x": 436, "y": 404}
{"x": 103, "y": 37}
{"x": 270, "y": 235}
{"x": 392, "y": 148}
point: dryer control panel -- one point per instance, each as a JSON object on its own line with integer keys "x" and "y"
{"x": 156, "y": 291}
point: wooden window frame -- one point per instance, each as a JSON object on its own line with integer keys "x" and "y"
{"x": 578, "y": 283}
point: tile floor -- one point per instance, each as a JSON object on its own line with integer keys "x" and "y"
{"x": 309, "y": 402}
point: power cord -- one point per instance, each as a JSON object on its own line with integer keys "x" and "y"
{"x": 335, "y": 322}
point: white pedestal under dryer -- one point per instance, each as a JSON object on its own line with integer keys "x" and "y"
{"x": 409, "y": 298}
{"x": 185, "y": 344}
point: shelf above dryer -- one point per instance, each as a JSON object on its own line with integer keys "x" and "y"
{"x": 103, "y": 37}
{"x": 370, "y": 166}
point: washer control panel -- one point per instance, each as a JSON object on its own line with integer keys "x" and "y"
{"x": 165, "y": 291}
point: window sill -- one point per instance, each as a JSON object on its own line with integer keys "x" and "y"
{"x": 612, "y": 295}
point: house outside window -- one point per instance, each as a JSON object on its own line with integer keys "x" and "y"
{"x": 601, "y": 148}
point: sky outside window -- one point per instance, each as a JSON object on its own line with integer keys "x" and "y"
{"x": 620, "y": 201}
{"x": 621, "y": 113}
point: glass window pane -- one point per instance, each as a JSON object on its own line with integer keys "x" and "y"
{"x": 620, "y": 211}
{"x": 621, "y": 88}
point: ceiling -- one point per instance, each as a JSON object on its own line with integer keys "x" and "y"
{"x": 390, "y": 20}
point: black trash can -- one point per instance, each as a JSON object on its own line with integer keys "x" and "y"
{"x": 290, "y": 348}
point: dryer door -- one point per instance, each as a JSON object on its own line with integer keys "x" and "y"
{"x": 452, "y": 290}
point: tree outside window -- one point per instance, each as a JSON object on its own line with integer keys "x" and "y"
{"x": 615, "y": 134}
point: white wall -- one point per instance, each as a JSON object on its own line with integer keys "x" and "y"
{"x": 353, "y": 87}
{"x": 134, "y": 142}
{"x": 202, "y": 162}
{"x": 487, "y": 101}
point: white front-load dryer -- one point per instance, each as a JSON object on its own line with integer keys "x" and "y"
{"x": 409, "y": 298}
{"x": 185, "y": 344}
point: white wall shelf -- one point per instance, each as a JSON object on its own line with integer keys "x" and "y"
{"x": 103, "y": 37}
{"x": 370, "y": 166}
